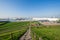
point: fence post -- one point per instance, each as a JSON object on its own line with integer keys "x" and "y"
{"x": 0, "y": 38}
{"x": 11, "y": 36}
{"x": 35, "y": 36}
{"x": 40, "y": 38}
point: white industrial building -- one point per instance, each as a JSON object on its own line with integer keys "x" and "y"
{"x": 50, "y": 19}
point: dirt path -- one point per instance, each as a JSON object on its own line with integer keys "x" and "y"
{"x": 26, "y": 36}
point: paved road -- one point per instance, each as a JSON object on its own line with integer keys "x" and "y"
{"x": 26, "y": 36}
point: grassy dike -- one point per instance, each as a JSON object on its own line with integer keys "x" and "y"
{"x": 13, "y": 30}
{"x": 46, "y": 32}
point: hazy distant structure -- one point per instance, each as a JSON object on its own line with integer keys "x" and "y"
{"x": 29, "y": 19}
{"x": 49, "y": 19}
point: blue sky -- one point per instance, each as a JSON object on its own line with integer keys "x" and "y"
{"x": 29, "y": 8}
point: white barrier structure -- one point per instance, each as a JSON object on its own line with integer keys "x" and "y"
{"x": 50, "y": 19}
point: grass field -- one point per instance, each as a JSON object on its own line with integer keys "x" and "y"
{"x": 2, "y": 23}
{"x": 46, "y": 32}
{"x": 13, "y": 30}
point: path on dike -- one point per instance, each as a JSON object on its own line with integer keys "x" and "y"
{"x": 27, "y": 35}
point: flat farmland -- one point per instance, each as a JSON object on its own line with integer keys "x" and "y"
{"x": 50, "y": 23}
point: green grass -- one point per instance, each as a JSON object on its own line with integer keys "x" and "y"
{"x": 13, "y": 30}
{"x": 47, "y": 32}
{"x": 2, "y": 23}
